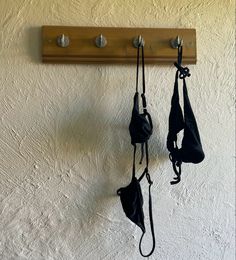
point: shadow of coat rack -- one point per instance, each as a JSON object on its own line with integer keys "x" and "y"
{"x": 68, "y": 44}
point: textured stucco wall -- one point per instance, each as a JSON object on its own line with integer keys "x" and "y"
{"x": 65, "y": 147}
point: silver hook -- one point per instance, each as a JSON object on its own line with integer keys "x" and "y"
{"x": 138, "y": 42}
{"x": 100, "y": 41}
{"x": 63, "y": 41}
{"x": 175, "y": 43}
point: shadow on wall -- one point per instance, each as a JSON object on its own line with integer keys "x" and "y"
{"x": 34, "y": 43}
{"x": 99, "y": 146}
{"x": 85, "y": 130}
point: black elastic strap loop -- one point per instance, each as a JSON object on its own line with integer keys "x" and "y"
{"x": 144, "y": 102}
{"x": 137, "y": 71}
{"x": 147, "y": 161}
{"x": 143, "y": 174}
{"x": 147, "y": 156}
{"x": 151, "y": 222}
{"x": 142, "y": 153}
{"x": 143, "y": 70}
{"x": 176, "y": 164}
{"x": 144, "y": 87}
{"x": 180, "y": 54}
{"x": 150, "y": 206}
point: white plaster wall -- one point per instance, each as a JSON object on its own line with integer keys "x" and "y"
{"x": 65, "y": 146}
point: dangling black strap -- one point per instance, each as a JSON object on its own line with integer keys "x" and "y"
{"x": 147, "y": 161}
{"x": 176, "y": 163}
{"x": 133, "y": 173}
{"x": 150, "y": 206}
{"x": 143, "y": 72}
{"x": 144, "y": 103}
{"x": 145, "y": 172}
{"x": 142, "y": 153}
{"x": 184, "y": 71}
{"x": 144, "y": 87}
{"x": 137, "y": 70}
{"x": 151, "y": 223}
{"x": 180, "y": 54}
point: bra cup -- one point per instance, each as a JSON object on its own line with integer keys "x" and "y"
{"x": 191, "y": 150}
{"x": 132, "y": 202}
{"x": 191, "y": 144}
{"x": 139, "y": 128}
{"x": 191, "y": 147}
{"x": 176, "y": 119}
{"x": 176, "y": 124}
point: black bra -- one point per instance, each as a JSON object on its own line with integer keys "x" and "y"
{"x": 140, "y": 129}
{"x": 191, "y": 150}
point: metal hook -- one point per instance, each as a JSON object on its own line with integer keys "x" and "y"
{"x": 138, "y": 41}
{"x": 100, "y": 41}
{"x": 63, "y": 41}
{"x": 175, "y": 43}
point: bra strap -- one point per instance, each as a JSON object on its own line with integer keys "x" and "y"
{"x": 151, "y": 222}
{"x": 147, "y": 161}
{"x": 144, "y": 87}
{"x": 137, "y": 70}
{"x": 133, "y": 173}
{"x": 183, "y": 71}
{"x": 176, "y": 163}
{"x": 143, "y": 72}
{"x": 146, "y": 172}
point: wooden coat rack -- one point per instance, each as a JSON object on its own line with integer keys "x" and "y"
{"x": 66, "y": 44}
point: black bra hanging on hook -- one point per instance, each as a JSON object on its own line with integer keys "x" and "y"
{"x": 191, "y": 150}
{"x": 140, "y": 129}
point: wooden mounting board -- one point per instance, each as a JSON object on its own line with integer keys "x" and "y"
{"x": 119, "y": 49}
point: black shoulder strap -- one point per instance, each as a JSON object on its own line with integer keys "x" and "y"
{"x": 137, "y": 70}
{"x": 151, "y": 222}
{"x": 142, "y": 154}
{"x": 144, "y": 87}
{"x": 146, "y": 172}
{"x": 133, "y": 172}
{"x": 143, "y": 74}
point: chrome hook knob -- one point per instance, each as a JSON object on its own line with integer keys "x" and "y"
{"x": 100, "y": 41}
{"x": 175, "y": 43}
{"x": 138, "y": 41}
{"x": 63, "y": 41}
